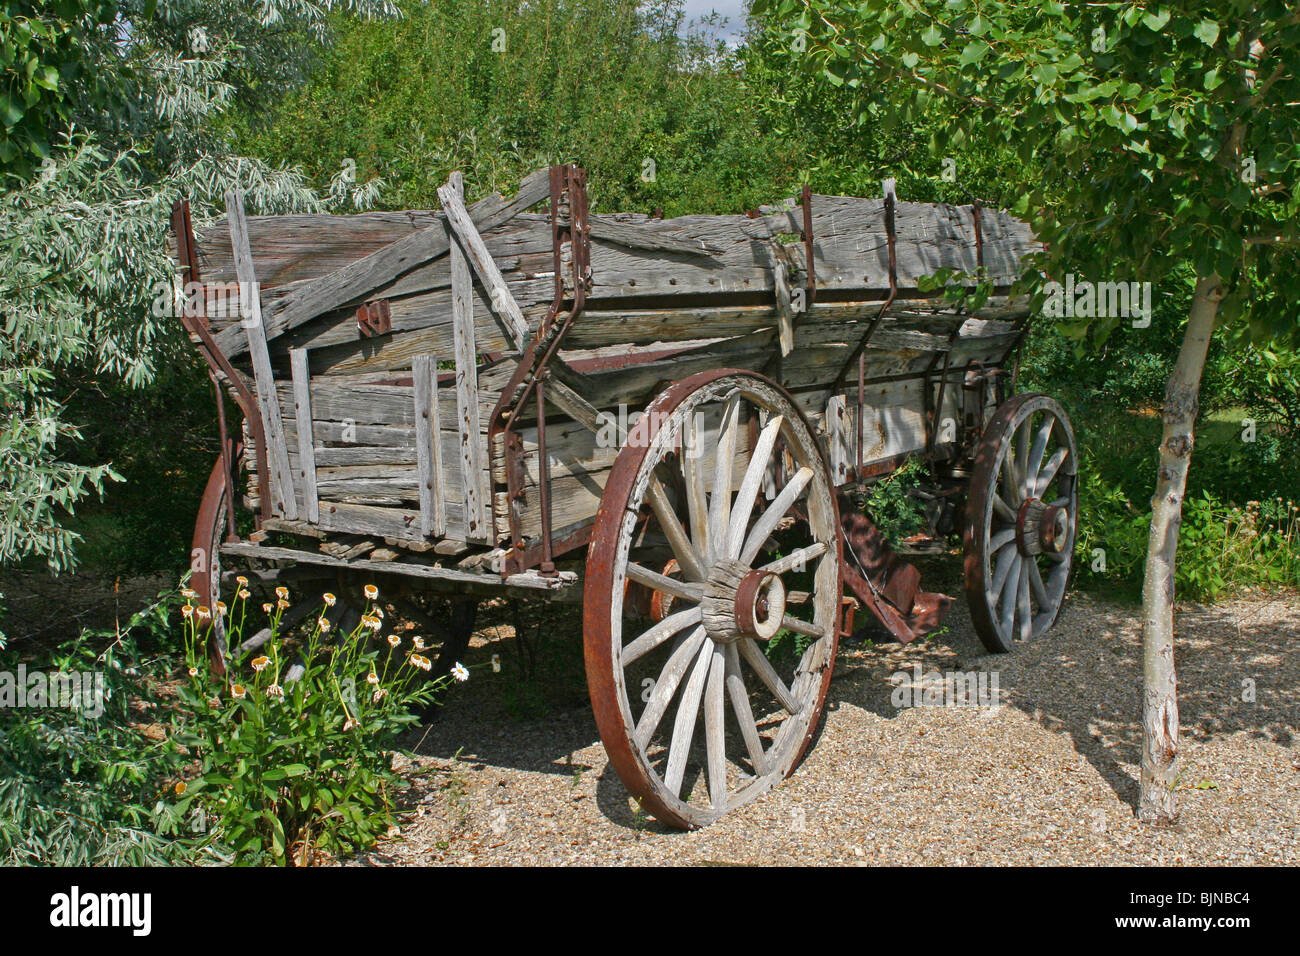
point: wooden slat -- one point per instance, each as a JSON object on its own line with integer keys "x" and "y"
{"x": 433, "y": 513}
{"x": 359, "y": 278}
{"x": 528, "y": 580}
{"x": 625, "y": 234}
{"x": 472, "y": 468}
{"x": 306, "y": 444}
{"x": 462, "y": 224}
{"x": 283, "y": 498}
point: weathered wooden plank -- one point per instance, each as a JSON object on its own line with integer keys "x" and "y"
{"x": 432, "y": 491}
{"x": 530, "y": 581}
{"x": 850, "y": 249}
{"x": 304, "y": 246}
{"x": 399, "y": 522}
{"x": 357, "y": 405}
{"x": 358, "y": 278}
{"x": 306, "y": 444}
{"x": 633, "y": 327}
{"x": 462, "y": 224}
{"x": 625, "y": 234}
{"x": 254, "y": 334}
{"x": 426, "y": 311}
{"x": 473, "y": 469}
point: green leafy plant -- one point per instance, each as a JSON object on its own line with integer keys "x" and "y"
{"x": 81, "y": 786}
{"x": 895, "y": 511}
{"x": 293, "y": 744}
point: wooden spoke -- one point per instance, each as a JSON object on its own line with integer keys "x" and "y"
{"x": 666, "y": 686}
{"x": 1005, "y": 563}
{"x": 1036, "y": 455}
{"x": 1011, "y": 481}
{"x": 750, "y": 486}
{"x": 688, "y": 709}
{"x": 687, "y": 556}
{"x": 659, "y": 582}
{"x": 766, "y": 524}
{"x": 1002, "y": 509}
{"x": 1022, "y": 601}
{"x": 1036, "y": 583}
{"x": 796, "y": 558}
{"x": 1050, "y": 469}
{"x": 791, "y": 623}
{"x": 660, "y": 632}
{"x": 1000, "y": 540}
{"x": 715, "y": 737}
{"x": 720, "y": 500}
{"x": 1021, "y": 448}
{"x": 697, "y": 499}
{"x": 1007, "y": 597}
{"x": 754, "y": 656}
{"x": 739, "y": 695}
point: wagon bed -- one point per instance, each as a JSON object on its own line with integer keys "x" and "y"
{"x": 474, "y": 398}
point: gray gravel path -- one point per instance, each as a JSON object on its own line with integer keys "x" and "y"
{"x": 1048, "y": 777}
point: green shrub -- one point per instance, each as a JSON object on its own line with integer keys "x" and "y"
{"x": 80, "y": 788}
{"x": 892, "y": 506}
{"x": 290, "y": 769}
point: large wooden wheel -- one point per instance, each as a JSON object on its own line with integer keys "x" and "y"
{"x": 711, "y": 605}
{"x": 1021, "y": 515}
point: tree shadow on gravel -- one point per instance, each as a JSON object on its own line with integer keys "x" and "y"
{"x": 1238, "y": 666}
{"x": 1238, "y": 672}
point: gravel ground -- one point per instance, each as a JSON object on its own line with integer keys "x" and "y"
{"x": 1048, "y": 777}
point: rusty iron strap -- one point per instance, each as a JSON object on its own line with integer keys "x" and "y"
{"x": 811, "y": 272}
{"x": 567, "y": 183}
{"x": 183, "y": 229}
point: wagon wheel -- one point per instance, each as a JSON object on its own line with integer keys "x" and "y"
{"x": 747, "y": 641}
{"x": 1020, "y": 521}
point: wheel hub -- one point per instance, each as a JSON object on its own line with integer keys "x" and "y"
{"x": 1041, "y": 528}
{"x": 760, "y": 605}
{"x": 740, "y": 602}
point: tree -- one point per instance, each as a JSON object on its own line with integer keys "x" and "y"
{"x": 108, "y": 112}
{"x": 1167, "y": 138}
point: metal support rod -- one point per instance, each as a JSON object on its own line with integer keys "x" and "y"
{"x": 862, "y": 388}
{"x": 196, "y": 326}
{"x": 543, "y": 479}
{"x": 227, "y": 469}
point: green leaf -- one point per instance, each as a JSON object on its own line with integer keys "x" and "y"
{"x": 1156, "y": 21}
{"x": 933, "y": 36}
{"x": 1207, "y": 31}
{"x": 974, "y": 52}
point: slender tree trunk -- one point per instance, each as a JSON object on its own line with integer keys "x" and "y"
{"x": 1160, "y": 697}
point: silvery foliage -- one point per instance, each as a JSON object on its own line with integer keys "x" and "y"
{"x": 83, "y": 243}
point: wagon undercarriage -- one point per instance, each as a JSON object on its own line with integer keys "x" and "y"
{"x": 662, "y": 417}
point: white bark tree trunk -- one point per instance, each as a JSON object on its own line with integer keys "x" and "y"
{"x": 1160, "y": 697}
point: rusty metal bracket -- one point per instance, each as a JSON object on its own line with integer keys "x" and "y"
{"x": 810, "y": 272}
{"x": 374, "y": 318}
{"x": 218, "y": 365}
{"x": 569, "y": 225}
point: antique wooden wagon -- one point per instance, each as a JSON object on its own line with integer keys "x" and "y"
{"x": 665, "y": 417}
